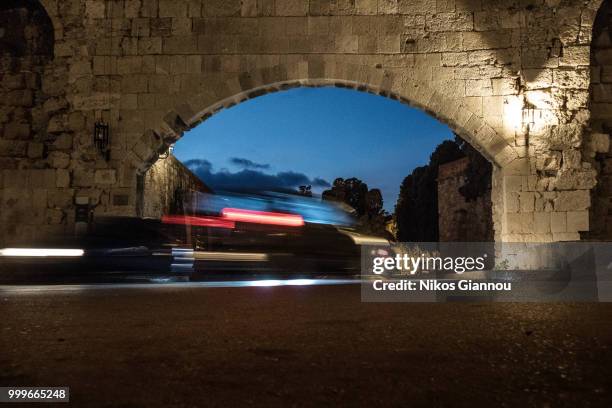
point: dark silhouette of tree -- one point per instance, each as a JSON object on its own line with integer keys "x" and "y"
{"x": 368, "y": 204}
{"x": 350, "y": 191}
{"x": 416, "y": 211}
{"x": 305, "y": 191}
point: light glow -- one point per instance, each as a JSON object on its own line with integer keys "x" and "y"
{"x": 41, "y": 252}
{"x": 231, "y": 256}
{"x": 262, "y": 217}
{"x": 213, "y": 222}
{"x": 266, "y": 283}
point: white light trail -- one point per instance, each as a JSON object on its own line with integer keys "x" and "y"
{"x": 41, "y": 252}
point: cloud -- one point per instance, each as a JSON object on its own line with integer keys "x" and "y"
{"x": 250, "y": 179}
{"x": 248, "y": 164}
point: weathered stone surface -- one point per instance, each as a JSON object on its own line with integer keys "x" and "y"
{"x": 62, "y": 179}
{"x": 59, "y": 160}
{"x": 105, "y": 177}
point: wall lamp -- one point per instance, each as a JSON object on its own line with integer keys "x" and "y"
{"x": 101, "y": 138}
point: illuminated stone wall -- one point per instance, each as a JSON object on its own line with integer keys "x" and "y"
{"x": 512, "y": 77}
{"x": 460, "y": 219}
{"x": 167, "y": 187}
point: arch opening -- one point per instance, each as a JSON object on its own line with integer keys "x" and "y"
{"x": 455, "y": 180}
{"x": 185, "y": 118}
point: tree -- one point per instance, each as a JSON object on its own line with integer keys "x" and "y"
{"x": 368, "y": 204}
{"x": 350, "y": 191}
{"x": 305, "y": 191}
{"x": 416, "y": 210}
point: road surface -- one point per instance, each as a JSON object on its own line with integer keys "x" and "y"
{"x": 190, "y": 346}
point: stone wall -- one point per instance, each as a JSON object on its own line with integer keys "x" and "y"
{"x": 598, "y": 146}
{"x": 510, "y": 76}
{"x": 166, "y": 186}
{"x": 460, "y": 220}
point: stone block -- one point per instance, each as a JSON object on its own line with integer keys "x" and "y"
{"x": 572, "y": 159}
{"x": 449, "y": 22}
{"x": 181, "y": 26}
{"x": 224, "y": 8}
{"x": 129, "y": 65}
{"x": 542, "y": 222}
{"x": 20, "y": 131}
{"x": 180, "y": 45}
{"x": 194, "y": 8}
{"x": 388, "y": 6}
{"x": 106, "y": 176}
{"x": 13, "y": 148}
{"x": 95, "y": 9}
{"x": 42, "y": 179}
{"x": 248, "y": 8}
{"x": 576, "y": 56}
{"x": 150, "y": 45}
{"x": 527, "y": 202}
{"x": 577, "y": 221}
{"x": 514, "y": 223}
{"x": 54, "y": 105}
{"x": 59, "y": 160}
{"x": 13, "y": 81}
{"x": 62, "y": 179}
{"x": 19, "y": 98}
{"x": 82, "y": 177}
{"x": 35, "y": 150}
{"x": 135, "y": 84}
{"x": 558, "y": 222}
{"x": 63, "y": 142}
{"x": 572, "y": 78}
{"x": 600, "y": 142}
{"x": 161, "y": 27}
{"x": 54, "y": 216}
{"x": 566, "y": 236}
{"x": 291, "y": 8}
{"x": 172, "y": 8}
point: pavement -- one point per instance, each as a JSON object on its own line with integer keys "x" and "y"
{"x": 195, "y": 346}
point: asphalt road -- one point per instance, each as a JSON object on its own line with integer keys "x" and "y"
{"x": 183, "y": 346}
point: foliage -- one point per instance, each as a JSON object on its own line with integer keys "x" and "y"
{"x": 305, "y": 191}
{"x": 416, "y": 211}
{"x": 368, "y": 204}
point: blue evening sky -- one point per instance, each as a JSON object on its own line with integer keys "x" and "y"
{"x": 320, "y": 132}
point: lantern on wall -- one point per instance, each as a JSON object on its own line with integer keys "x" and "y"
{"x": 101, "y": 138}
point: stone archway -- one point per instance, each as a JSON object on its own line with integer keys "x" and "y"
{"x": 512, "y": 80}
{"x": 450, "y": 111}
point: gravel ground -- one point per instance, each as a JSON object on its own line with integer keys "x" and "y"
{"x": 302, "y": 346}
